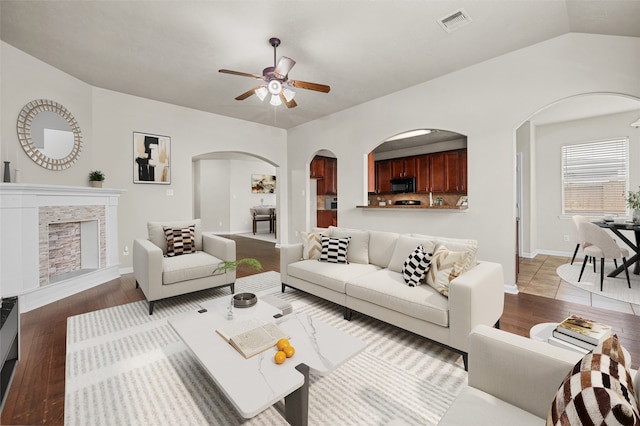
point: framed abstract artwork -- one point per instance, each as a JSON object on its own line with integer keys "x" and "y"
{"x": 263, "y": 184}
{"x": 151, "y": 158}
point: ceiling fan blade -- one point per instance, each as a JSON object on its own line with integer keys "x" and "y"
{"x": 246, "y": 94}
{"x": 310, "y": 86}
{"x": 290, "y": 104}
{"x": 284, "y": 66}
{"x": 242, "y": 74}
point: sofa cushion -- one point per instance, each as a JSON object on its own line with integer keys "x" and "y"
{"x": 182, "y": 268}
{"x": 180, "y": 240}
{"x": 381, "y": 247}
{"x": 334, "y": 250}
{"x": 598, "y": 390}
{"x": 311, "y": 245}
{"x": 157, "y": 236}
{"x": 446, "y": 265}
{"x": 470, "y": 247}
{"x": 387, "y": 288}
{"x": 415, "y": 267}
{"x": 330, "y": 275}
{"x": 475, "y": 407}
{"x": 404, "y": 246}
{"x": 358, "y": 245}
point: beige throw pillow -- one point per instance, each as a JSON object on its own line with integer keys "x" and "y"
{"x": 311, "y": 245}
{"x": 446, "y": 266}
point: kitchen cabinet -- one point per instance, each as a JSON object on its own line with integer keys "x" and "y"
{"x": 371, "y": 173}
{"x": 317, "y": 167}
{"x": 326, "y": 218}
{"x": 437, "y": 172}
{"x": 423, "y": 175}
{"x": 403, "y": 167}
{"x": 383, "y": 177}
{"x": 325, "y": 170}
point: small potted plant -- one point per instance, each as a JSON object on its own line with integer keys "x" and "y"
{"x": 95, "y": 178}
{"x": 248, "y": 262}
{"x": 633, "y": 201}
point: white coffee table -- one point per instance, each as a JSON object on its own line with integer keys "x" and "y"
{"x": 253, "y": 385}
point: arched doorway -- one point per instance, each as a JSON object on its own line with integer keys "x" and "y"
{"x": 542, "y": 227}
{"x": 224, "y": 191}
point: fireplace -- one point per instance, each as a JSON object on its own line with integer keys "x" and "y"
{"x": 71, "y": 241}
{"x": 56, "y": 241}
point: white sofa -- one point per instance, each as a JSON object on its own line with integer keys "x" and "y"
{"x": 372, "y": 284}
{"x": 512, "y": 380}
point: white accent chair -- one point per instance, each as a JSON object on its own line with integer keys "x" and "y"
{"x": 577, "y": 220}
{"x": 602, "y": 246}
{"x": 161, "y": 277}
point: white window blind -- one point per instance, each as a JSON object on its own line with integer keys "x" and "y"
{"x": 595, "y": 178}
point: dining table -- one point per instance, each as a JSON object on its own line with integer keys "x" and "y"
{"x": 617, "y": 227}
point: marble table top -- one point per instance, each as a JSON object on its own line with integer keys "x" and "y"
{"x": 253, "y": 385}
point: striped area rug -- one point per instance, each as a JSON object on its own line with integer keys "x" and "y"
{"x": 126, "y": 367}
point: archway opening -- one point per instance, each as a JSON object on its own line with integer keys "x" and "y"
{"x": 323, "y": 189}
{"x": 227, "y": 185}
{"x": 423, "y": 166}
{"x": 543, "y": 225}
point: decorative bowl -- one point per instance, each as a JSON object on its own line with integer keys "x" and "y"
{"x": 244, "y": 300}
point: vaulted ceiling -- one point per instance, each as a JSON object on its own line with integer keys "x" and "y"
{"x": 171, "y": 51}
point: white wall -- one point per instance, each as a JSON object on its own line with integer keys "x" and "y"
{"x": 550, "y": 225}
{"x": 107, "y": 120}
{"x": 487, "y": 103}
{"x": 524, "y": 146}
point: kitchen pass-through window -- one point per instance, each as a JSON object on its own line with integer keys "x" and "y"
{"x": 595, "y": 178}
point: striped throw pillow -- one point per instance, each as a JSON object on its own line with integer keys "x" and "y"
{"x": 597, "y": 391}
{"x": 334, "y": 250}
{"x": 180, "y": 240}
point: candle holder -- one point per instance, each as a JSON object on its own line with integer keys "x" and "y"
{"x": 7, "y": 171}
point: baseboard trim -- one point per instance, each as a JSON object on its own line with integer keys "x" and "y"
{"x": 53, "y": 292}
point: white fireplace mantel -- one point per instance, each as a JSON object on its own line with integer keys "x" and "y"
{"x": 20, "y": 205}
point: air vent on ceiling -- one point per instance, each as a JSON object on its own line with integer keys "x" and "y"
{"x": 455, "y": 20}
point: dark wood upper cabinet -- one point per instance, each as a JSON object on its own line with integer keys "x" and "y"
{"x": 371, "y": 173}
{"x": 325, "y": 170}
{"x": 383, "y": 176}
{"x": 317, "y": 167}
{"x": 439, "y": 172}
{"x": 403, "y": 167}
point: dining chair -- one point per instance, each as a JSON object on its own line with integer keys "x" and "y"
{"x": 601, "y": 246}
{"x": 577, "y": 220}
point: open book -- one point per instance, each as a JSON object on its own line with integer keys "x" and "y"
{"x": 252, "y": 336}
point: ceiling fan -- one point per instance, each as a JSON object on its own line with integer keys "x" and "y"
{"x": 275, "y": 81}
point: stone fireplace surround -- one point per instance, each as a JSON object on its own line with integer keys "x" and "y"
{"x": 26, "y": 210}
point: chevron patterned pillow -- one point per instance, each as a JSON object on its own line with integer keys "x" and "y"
{"x": 415, "y": 267}
{"x": 446, "y": 265}
{"x": 180, "y": 240}
{"x": 311, "y": 245}
{"x": 597, "y": 391}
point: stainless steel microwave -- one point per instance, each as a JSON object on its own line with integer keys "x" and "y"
{"x": 403, "y": 185}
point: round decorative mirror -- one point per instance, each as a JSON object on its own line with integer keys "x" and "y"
{"x": 49, "y": 134}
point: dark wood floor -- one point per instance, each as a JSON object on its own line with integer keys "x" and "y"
{"x": 36, "y": 395}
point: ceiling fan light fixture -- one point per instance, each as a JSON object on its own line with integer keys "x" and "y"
{"x": 275, "y": 87}
{"x": 262, "y": 93}
{"x": 288, "y": 94}
{"x": 275, "y": 100}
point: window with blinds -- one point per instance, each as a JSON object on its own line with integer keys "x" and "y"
{"x": 595, "y": 178}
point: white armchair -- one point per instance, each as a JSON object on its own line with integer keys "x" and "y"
{"x": 161, "y": 276}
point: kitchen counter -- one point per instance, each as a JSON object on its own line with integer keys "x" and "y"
{"x": 418, "y": 207}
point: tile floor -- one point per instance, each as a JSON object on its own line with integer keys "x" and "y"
{"x": 538, "y": 276}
